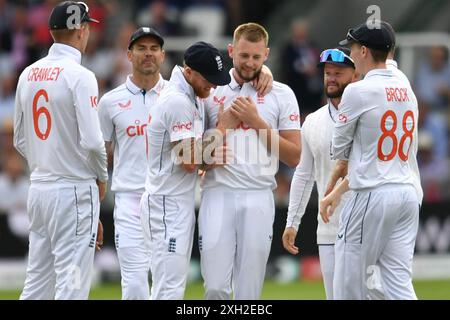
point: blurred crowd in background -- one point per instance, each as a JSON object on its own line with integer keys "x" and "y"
{"x": 24, "y": 38}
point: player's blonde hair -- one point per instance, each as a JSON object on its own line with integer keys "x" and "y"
{"x": 252, "y": 32}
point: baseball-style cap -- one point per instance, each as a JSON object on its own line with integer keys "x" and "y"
{"x": 207, "y": 60}
{"x": 68, "y": 15}
{"x": 145, "y": 32}
{"x": 338, "y": 56}
{"x": 380, "y": 37}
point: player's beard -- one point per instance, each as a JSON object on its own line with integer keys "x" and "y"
{"x": 201, "y": 93}
{"x": 338, "y": 93}
{"x": 248, "y": 78}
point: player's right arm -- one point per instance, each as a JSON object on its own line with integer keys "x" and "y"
{"x": 350, "y": 109}
{"x": 19, "y": 135}
{"x": 91, "y": 138}
{"x": 107, "y": 127}
{"x": 301, "y": 188}
{"x": 179, "y": 118}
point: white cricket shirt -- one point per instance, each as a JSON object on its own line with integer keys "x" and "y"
{"x": 376, "y": 125}
{"x": 177, "y": 115}
{"x": 250, "y": 167}
{"x": 315, "y": 165}
{"x": 392, "y": 65}
{"x": 124, "y": 114}
{"x": 56, "y": 125}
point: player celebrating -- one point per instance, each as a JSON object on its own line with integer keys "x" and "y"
{"x": 124, "y": 114}
{"x": 377, "y": 126}
{"x": 56, "y": 128}
{"x": 315, "y": 163}
{"x": 237, "y": 206}
{"x": 168, "y": 204}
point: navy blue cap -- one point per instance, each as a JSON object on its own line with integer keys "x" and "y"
{"x": 145, "y": 32}
{"x": 207, "y": 60}
{"x": 379, "y": 37}
{"x": 68, "y": 15}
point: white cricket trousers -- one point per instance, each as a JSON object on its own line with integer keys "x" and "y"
{"x": 235, "y": 236}
{"x": 133, "y": 253}
{"x": 375, "y": 244}
{"x": 326, "y": 255}
{"x": 63, "y": 232}
{"x": 168, "y": 223}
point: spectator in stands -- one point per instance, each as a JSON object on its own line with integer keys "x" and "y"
{"x": 434, "y": 172}
{"x": 433, "y": 80}
{"x": 299, "y": 60}
{"x": 435, "y": 126}
{"x": 14, "y": 190}
{"x": 7, "y": 95}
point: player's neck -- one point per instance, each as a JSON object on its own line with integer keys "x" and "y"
{"x": 335, "y": 102}
{"x": 238, "y": 79}
{"x": 146, "y": 82}
{"x": 374, "y": 66}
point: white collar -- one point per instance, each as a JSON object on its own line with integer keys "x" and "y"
{"x": 392, "y": 63}
{"x": 177, "y": 78}
{"x": 134, "y": 89}
{"x": 332, "y": 111}
{"x": 64, "y": 50}
{"x": 380, "y": 72}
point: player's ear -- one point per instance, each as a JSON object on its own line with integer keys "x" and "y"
{"x": 129, "y": 54}
{"x": 266, "y": 54}
{"x": 230, "y": 48}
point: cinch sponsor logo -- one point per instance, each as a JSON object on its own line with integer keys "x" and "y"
{"x": 136, "y": 130}
{"x": 180, "y": 126}
{"x": 397, "y": 94}
{"x": 294, "y": 117}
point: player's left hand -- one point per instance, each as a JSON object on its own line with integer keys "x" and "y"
{"x": 245, "y": 109}
{"x": 328, "y": 205}
{"x": 289, "y": 236}
{"x": 99, "y": 242}
{"x": 264, "y": 82}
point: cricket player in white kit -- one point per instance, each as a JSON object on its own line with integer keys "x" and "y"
{"x": 377, "y": 125}
{"x": 168, "y": 204}
{"x": 56, "y": 128}
{"x": 237, "y": 207}
{"x": 124, "y": 114}
{"x": 315, "y": 163}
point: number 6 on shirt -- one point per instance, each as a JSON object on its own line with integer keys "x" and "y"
{"x": 38, "y": 111}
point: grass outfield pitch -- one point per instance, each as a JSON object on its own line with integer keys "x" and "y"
{"x": 428, "y": 290}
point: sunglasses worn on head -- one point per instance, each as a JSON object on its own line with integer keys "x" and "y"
{"x": 334, "y": 55}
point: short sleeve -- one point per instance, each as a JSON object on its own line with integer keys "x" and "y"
{"x": 180, "y": 119}
{"x": 106, "y": 123}
{"x": 289, "y": 118}
{"x": 350, "y": 109}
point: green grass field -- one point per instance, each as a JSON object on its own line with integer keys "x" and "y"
{"x": 429, "y": 290}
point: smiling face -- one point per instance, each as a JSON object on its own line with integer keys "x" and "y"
{"x": 336, "y": 78}
{"x": 146, "y": 56}
{"x": 248, "y": 58}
